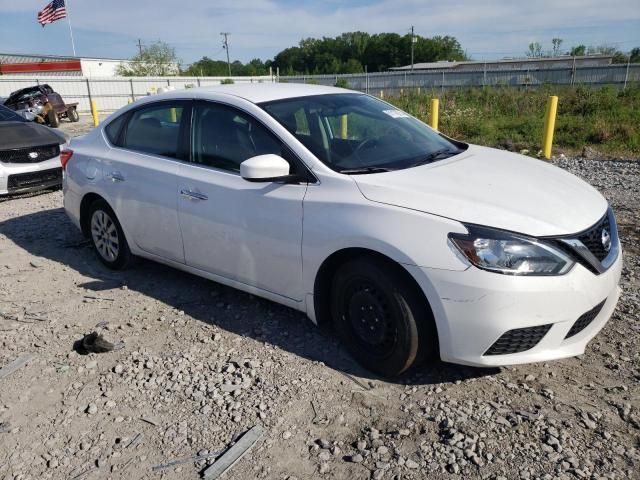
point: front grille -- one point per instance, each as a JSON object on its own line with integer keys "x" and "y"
{"x": 585, "y": 319}
{"x": 33, "y": 180}
{"x": 592, "y": 238}
{"x": 29, "y": 155}
{"x": 518, "y": 340}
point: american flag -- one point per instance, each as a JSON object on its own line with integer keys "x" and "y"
{"x": 52, "y": 12}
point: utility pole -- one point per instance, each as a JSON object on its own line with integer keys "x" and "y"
{"x": 225, "y": 45}
{"x": 413, "y": 42}
{"x": 140, "y": 46}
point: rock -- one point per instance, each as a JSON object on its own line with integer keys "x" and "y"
{"x": 324, "y": 456}
{"x": 357, "y": 458}
{"x": 286, "y": 435}
{"x": 118, "y": 369}
{"x": 91, "y": 409}
{"x": 411, "y": 464}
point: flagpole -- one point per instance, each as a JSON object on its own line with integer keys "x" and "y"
{"x": 73, "y": 45}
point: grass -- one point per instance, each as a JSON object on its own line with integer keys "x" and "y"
{"x": 604, "y": 118}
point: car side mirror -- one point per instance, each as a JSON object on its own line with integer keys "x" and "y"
{"x": 264, "y": 168}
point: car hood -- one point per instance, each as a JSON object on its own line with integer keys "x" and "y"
{"x": 25, "y": 135}
{"x": 495, "y": 188}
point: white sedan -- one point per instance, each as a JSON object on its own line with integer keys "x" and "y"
{"x": 413, "y": 245}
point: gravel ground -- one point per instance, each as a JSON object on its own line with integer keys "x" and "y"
{"x": 202, "y": 363}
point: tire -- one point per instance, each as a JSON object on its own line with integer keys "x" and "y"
{"x": 72, "y": 114}
{"x": 107, "y": 237}
{"x": 397, "y": 330}
{"x": 52, "y": 119}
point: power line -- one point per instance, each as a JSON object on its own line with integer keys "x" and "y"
{"x": 225, "y": 45}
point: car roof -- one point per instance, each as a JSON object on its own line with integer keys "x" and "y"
{"x": 266, "y": 92}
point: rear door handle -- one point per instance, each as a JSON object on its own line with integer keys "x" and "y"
{"x": 116, "y": 177}
{"x": 190, "y": 194}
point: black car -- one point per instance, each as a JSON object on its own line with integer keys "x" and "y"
{"x": 29, "y": 154}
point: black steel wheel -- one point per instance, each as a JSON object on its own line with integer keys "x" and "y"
{"x": 381, "y": 317}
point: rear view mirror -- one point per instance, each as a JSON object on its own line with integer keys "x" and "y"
{"x": 264, "y": 168}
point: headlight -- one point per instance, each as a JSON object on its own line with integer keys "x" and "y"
{"x": 509, "y": 253}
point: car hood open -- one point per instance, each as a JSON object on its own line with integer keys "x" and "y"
{"x": 24, "y": 135}
{"x": 495, "y": 188}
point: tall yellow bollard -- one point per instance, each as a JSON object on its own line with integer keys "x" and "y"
{"x": 549, "y": 126}
{"x": 382, "y": 94}
{"x": 94, "y": 113}
{"x": 344, "y": 127}
{"x": 435, "y": 104}
{"x": 173, "y": 115}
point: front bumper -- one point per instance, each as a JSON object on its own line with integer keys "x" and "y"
{"x": 474, "y": 308}
{"x": 28, "y": 177}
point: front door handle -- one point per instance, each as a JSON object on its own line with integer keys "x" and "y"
{"x": 190, "y": 194}
{"x": 116, "y": 177}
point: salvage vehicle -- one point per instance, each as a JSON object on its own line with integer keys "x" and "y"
{"x": 44, "y": 104}
{"x": 411, "y": 244}
{"x": 29, "y": 154}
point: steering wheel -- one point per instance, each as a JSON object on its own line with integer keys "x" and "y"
{"x": 370, "y": 142}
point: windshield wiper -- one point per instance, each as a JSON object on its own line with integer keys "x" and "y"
{"x": 437, "y": 155}
{"x": 356, "y": 171}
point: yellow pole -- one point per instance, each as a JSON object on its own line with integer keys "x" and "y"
{"x": 434, "y": 113}
{"x": 94, "y": 113}
{"x": 382, "y": 94}
{"x": 344, "y": 126}
{"x": 549, "y": 126}
{"x": 173, "y": 116}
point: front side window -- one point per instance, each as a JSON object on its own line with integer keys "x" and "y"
{"x": 224, "y": 137}
{"x": 356, "y": 133}
{"x": 155, "y": 129}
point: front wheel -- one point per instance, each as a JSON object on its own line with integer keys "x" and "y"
{"x": 381, "y": 317}
{"x": 107, "y": 236}
{"x": 52, "y": 119}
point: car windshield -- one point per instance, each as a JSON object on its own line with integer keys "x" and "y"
{"x": 25, "y": 94}
{"x": 7, "y": 115}
{"x": 358, "y": 134}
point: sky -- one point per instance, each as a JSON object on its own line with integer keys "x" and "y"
{"x": 486, "y": 29}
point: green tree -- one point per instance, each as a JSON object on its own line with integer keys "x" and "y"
{"x": 157, "y": 60}
{"x": 535, "y": 50}
{"x": 556, "y": 42}
{"x": 634, "y": 55}
{"x": 578, "y": 51}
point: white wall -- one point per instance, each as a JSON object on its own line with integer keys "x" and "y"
{"x": 110, "y": 94}
{"x": 99, "y": 67}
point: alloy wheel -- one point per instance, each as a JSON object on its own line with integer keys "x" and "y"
{"x": 105, "y": 235}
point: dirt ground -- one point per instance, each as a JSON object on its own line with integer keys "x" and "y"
{"x": 202, "y": 363}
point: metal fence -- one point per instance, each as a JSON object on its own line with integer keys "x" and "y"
{"x": 112, "y": 93}
{"x": 392, "y": 82}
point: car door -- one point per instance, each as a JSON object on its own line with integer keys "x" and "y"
{"x": 244, "y": 231}
{"x": 141, "y": 176}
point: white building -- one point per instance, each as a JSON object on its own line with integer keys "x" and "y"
{"x": 59, "y": 66}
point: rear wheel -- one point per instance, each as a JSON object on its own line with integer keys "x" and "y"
{"x": 381, "y": 318}
{"x": 107, "y": 236}
{"x": 52, "y": 119}
{"x": 72, "y": 114}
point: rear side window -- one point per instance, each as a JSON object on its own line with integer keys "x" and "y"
{"x": 155, "y": 129}
{"x": 114, "y": 128}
